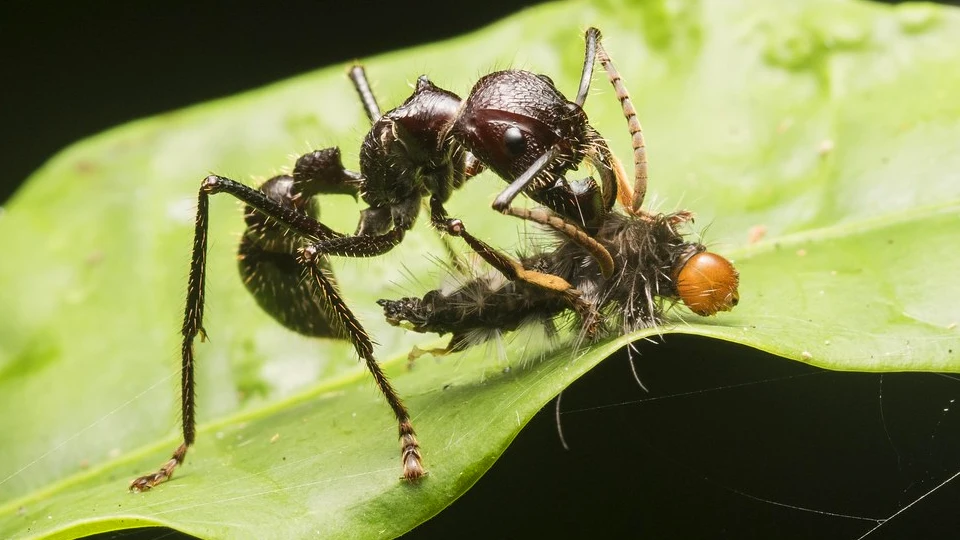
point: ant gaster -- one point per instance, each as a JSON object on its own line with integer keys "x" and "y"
{"x": 515, "y": 122}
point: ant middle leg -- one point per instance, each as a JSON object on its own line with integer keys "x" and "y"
{"x": 472, "y": 166}
{"x": 325, "y": 175}
{"x": 409, "y": 447}
{"x": 267, "y": 257}
{"x": 381, "y": 229}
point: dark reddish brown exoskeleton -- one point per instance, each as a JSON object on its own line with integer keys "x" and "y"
{"x": 284, "y": 248}
{"x": 622, "y": 263}
{"x": 514, "y": 122}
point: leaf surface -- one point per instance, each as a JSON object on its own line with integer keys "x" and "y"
{"x": 832, "y": 124}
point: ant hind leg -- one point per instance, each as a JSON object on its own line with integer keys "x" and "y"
{"x": 278, "y": 221}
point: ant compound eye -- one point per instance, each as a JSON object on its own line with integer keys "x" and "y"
{"x": 707, "y": 283}
{"x": 513, "y": 141}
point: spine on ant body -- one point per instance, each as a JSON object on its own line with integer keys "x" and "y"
{"x": 649, "y": 257}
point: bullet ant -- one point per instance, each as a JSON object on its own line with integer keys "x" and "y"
{"x": 514, "y": 122}
{"x": 624, "y": 264}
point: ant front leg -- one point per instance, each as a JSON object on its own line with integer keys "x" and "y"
{"x": 571, "y": 231}
{"x": 563, "y": 226}
{"x": 513, "y": 269}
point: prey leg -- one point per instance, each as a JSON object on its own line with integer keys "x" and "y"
{"x": 513, "y": 270}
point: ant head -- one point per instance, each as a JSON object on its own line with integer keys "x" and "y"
{"x": 421, "y": 120}
{"x": 511, "y": 118}
{"x": 707, "y": 283}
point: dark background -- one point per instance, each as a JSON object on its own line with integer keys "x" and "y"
{"x": 72, "y": 69}
{"x": 721, "y": 428}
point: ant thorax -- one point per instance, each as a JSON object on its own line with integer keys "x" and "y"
{"x": 405, "y": 157}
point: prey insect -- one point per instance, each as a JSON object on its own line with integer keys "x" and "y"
{"x": 514, "y": 122}
{"x": 625, "y": 263}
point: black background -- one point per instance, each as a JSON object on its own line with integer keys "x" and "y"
{"x": 72, "y": 69}
{"x": 678, "y": 467}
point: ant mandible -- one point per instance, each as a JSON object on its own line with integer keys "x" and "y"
{"x": 582, "y": 211}
{"x": 515, "y": 122}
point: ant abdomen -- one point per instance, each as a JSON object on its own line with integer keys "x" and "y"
{"x": 267, "y": 260}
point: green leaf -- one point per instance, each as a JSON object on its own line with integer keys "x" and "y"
{"x": 832, "y": 124}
